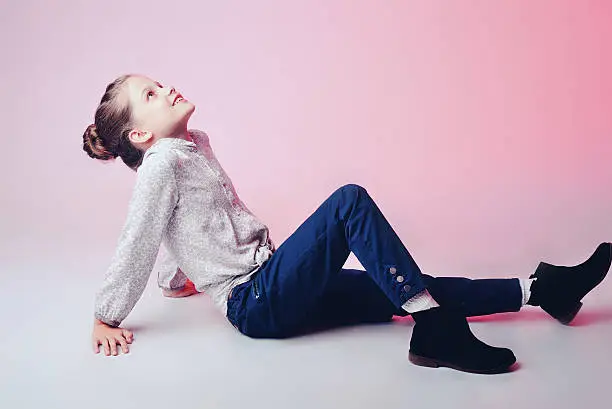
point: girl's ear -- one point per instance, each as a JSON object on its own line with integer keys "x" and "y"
{"x": 139, "y": 136}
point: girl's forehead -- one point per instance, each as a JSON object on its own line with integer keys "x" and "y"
{"x": 138, "y": 83}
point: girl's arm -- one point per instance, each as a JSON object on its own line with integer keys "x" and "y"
{"x": 153, "y": 200}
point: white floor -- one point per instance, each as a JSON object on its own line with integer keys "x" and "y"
{"x": 186, "y": 355}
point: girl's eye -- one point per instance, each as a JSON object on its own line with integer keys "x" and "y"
{"x": 149, "y": 93}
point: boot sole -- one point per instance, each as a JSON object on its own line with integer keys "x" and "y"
{"x": 436, "y": 363}
{"x": 564, "y": 316}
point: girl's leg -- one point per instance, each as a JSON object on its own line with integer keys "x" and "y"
{"x": 290, "y": 285}
{"x": 286, "y": 291}
{"x": 352, "y": 297}
{"x": 557, "y": 289}
{"x": 474, "y": 297}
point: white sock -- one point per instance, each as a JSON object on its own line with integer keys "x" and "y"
{"x": 525, "y": 288}
{"x": 420, "y": 302}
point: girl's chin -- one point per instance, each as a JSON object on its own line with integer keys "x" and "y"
{"x": 184, "y": 102}
{"x": 188, "y": 107}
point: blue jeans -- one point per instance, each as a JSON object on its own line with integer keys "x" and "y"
{"x": 303, "y": 287}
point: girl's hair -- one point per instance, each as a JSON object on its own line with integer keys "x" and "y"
{"x": 107, "y": 137}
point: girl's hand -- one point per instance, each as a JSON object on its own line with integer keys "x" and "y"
{"x": 186, "y": 291}
{"x": 109, "y": 337}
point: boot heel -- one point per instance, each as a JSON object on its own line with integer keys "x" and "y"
{"x": 564, "y": 315}
{"x": 422, "y": 361}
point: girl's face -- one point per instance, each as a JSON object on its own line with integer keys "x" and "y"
{"x": 157, "y": 109}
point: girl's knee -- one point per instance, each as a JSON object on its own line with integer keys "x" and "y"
{"x": 350, "y": 191}
{"x": 353, "y": 187}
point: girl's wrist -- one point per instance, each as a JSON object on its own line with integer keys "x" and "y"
{"x": 98, "y": 322}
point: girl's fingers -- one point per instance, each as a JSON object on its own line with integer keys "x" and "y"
{"x": 128, "y": 336}
{"x": 124, "y": 346}
{"x": 105, "y": 345}
{"x": 96, "y": 349}
{"x": 113, "y": 345}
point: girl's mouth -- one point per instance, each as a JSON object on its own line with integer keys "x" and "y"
{"x": 178, "y": 99}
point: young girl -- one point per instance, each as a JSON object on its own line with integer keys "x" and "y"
{"x": 184, "y": 200}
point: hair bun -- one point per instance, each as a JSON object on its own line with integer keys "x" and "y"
{"x": 94, "y": 145}
{"x": 92, "y": 131}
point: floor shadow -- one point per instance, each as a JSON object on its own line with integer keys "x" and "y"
{"x": 592, "y": 316}
{"x": 515, "y": 367}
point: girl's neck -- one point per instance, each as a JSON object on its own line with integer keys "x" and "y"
{"x": 183, "y": 134}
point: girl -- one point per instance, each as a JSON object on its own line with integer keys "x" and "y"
{"x": 184, "y": 200}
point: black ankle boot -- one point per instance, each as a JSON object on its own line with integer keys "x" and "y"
{"x": 559, "y": 289}
{"x": 442, "y": 337}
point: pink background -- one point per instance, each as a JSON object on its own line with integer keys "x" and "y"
{"x": 481, "y": 128}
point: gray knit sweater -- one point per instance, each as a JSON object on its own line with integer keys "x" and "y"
{"x": 184, "y": 202}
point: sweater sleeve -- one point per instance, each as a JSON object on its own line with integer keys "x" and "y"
{"x": 153, "y": 200}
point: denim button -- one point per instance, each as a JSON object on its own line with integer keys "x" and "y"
{"x": 400, "y": 279}
{"x": 407, "y": 288}
{"x": 392, "y": 270}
